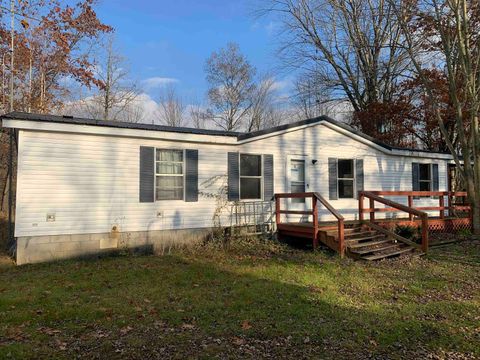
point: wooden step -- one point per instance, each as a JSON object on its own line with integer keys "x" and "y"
{"x": 368, "y": 243}
{"x": 377, "y": 249}
{"x": 351, "y": 236}
{"x": 370, "y": 237}
{"x": 388, "y": 254}
{"x": 346, "y": 230}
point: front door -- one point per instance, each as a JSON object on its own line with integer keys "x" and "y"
{"x": 297, "y": 171}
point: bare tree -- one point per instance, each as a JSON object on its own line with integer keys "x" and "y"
{"x": 198, "y": 116}
{"x": 262, "y": 104}
{"x": 350, "y": 47}
{"x": 450, "y": 29}
{"x": 311, "y": 98}
{"x": 231, "y": 80}
{"x": 118, "y": 94}
{"x": 171, "y": 107}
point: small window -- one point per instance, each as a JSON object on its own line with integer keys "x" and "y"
{"x": 346, "y": 179}
{"x": 250, "y": 176}
{"x": 169, "y": 174}
{"x": 425, "y": 177}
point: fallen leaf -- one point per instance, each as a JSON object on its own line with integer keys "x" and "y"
{"x": 188, "y": 326}
{"x": 238, "y": 341}
{"x": 246, "y": 325}
{"x": 48, "y": 331}
{"x": 125, "y": 330}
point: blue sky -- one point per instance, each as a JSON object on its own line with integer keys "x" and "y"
{"x": 173, "y": 38}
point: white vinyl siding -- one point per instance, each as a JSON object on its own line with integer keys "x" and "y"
{"x": 91, "y": 182}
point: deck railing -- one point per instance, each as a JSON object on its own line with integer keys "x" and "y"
{"x": 411, "y": 210}
{"x": 316, "y": 197}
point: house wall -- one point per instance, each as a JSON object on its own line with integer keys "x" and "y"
{"x": 90, "y": 183}
{"x": 381, "y": 171}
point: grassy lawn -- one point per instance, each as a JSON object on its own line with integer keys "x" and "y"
{"x": 253, "y": 302}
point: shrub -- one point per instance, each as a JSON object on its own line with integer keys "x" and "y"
{"x": 406, "y": 231}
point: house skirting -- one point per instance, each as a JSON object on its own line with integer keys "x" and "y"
{"x": 36, "y": 249}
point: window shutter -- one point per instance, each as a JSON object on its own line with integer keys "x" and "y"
{"x": 233, "y": 176}
{"x": 435, "y": 180}
{"x": 359, "y": 177}
{"x": 191, "y": 175}
{"x": 415, "y": 176}
{"x": 332, "y": 179}
{"x": 268, "y": 177}
{"x": 147, "y": 174}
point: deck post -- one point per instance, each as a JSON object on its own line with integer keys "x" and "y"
{"x": 277, "y": 211}
{"x": 410, "y": 205}
{"x": 450, "y": 204}
{"x": 360, "y": 205}
{"x": 341, "y": 237}
{"x": 425, "y": 233}
{"x": 315, "y": 221}
{"x": 372, "y": 210}
{"x": 441, "y": 204}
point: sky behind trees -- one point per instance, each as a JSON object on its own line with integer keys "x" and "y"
{"x": 169, "y": 41}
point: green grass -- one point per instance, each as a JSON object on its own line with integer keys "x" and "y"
{"x": 250, "y": 302}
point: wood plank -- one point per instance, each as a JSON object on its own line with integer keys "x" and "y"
{"x": 351, "y": 235}
{"x": 368, "y": 243}
{"x": 420, "y": 193}
{"x": 351, "y": 240}
{"x": 392, "y": 234}
{"x": 297, "y": 212}
{"x": 382, "y": 256}
{"x": 368, "y": 251}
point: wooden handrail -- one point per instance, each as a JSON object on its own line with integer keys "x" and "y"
{"x": 441, "y": 208}
{"x": 328, "y": 206}
{"x": 411, "y": 211}
{"x": 419, "y": 193}
{"x": 340, "y": 221}
{"x": 316, "y": 197}
{"x": 393, "y": 204}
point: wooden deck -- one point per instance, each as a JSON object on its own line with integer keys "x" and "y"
{"x": 375, "y": 238}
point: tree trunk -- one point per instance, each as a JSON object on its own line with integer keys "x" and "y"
{"x": 4, "y": 189}
{"x": 476, "y": 216}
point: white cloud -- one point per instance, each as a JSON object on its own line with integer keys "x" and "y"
{"x": 272, "y": 27}
{"x": 157, "y": 82}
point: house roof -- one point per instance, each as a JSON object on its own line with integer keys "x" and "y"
{"x": 65, "y": 119}
{"x": 239, "y": 135}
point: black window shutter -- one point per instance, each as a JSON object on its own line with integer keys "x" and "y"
{"x": 268, "y": 177}
{"x": 435, "y": 179}
{"x": 233, "y": 176}
{"x": 147, "y": 174}
{"x": 359, "y": 177}
{"x": 332, "y": 179}
{"x": 191, "y": 175}
{"x": 415, "y": 176}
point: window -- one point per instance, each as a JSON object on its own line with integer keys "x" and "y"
{"x": 346, "y": 179}
{"x": 250, "y": 176}
{"x": 297, "y": 183}
{"x": 169, "y": 174}
{"x": 425, "y": 177}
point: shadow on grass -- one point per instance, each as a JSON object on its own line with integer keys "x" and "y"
{"x": 218, "y": 300}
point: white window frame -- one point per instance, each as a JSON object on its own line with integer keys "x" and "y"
{"x": 354, "y": 179}
{"x": 251, "y": 177}
{"x": 183, "y": 172}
